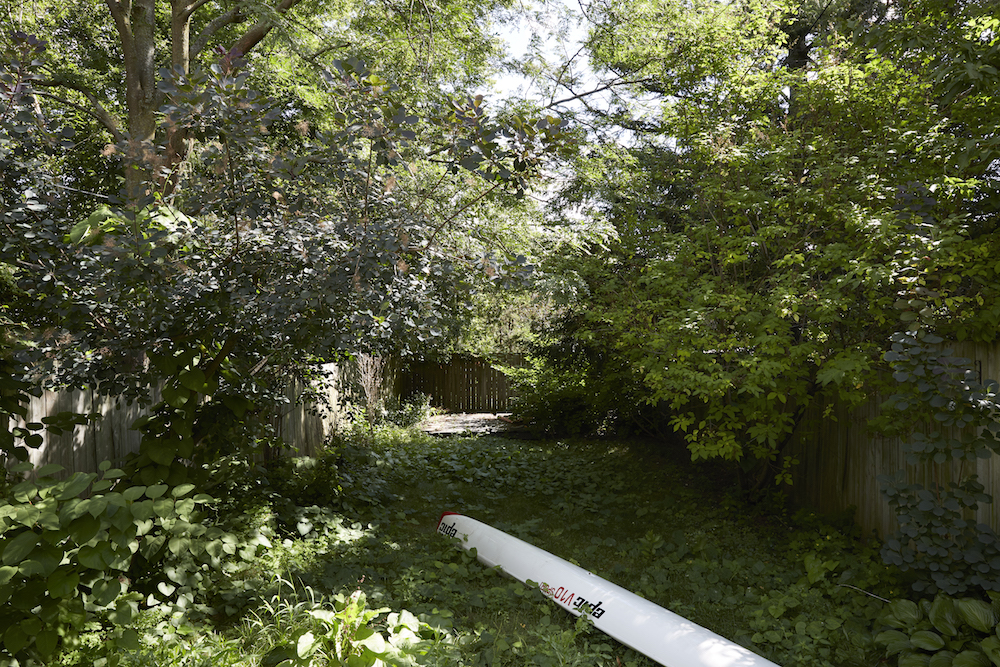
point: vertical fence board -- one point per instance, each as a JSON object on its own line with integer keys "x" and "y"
{"x": 109, "y": 437}
{"x": 841, "y": 459}
{"x": 464, "y": 384}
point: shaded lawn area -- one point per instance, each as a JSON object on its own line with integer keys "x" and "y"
{"x": 791, "y": 588}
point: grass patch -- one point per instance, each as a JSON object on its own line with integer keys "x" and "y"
{"x": 357, "y": 527}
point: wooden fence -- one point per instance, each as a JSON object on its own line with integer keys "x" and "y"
{"x": 307, "y": 419}
{"x": 107, "y": 438}
{"x": 464, "y": 384}
{"x": 840, "y": 459}
{"x": 304, "y": 422}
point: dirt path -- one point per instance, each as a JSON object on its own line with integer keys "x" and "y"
{"x": 458, "y": 423}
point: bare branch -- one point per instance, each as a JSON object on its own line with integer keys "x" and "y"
{"x": 599, "y": 89}
{"x": 193, "y": 7}
{"x": 327, "y": 49}
{"x": 120, "y": 13}
{"x": 565, "y": 69}
{"x": 437, "y": 230}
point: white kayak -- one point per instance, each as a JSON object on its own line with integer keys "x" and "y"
{"x": 660, "y": 634}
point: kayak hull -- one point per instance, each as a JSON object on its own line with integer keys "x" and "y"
{"x": 660, "y": 634}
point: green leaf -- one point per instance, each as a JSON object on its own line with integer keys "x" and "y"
{"x": 971, "y": 659}
{"x": 101, "y": 486}
{"x": 90, "y": 557}
{"x": 943, "y": 615}
{"x": 306, "y": 645}
{"x": 143, "y": 510}
{"x": 179, "y": 545}
{"x": 977, "y": 614}
{"x": 26, "y": 515}
{"x": 7, "y": 573}
{"x": 175, "y": 397}
{"x": 237, "y": 404}
{"x": 18, "y": 548}
{"x": 105, "y": 591}
{"x": 194, "y": 380}
{"x": 31, "y": 567}
{"x": 129, "y": 640}
{"x": 15, "y": 639}
{"x": 942, "y": 659}
{"x": 48, "y": 470}
{"x": 97, "y": 505}
{"x": 25, "y": 491}
{"x": 373, "y": 642}
{"x": 31, "y": 625}
{"x": 894, "y": 641}
{"x": 123, "y": 612}
{"x": 991, "y": 647}
{"x": 164, "y": 508}
{"x": 906, "y": 613}
{"x": 927, "y": 640}
{"x": 162, "y": 451}
{"x": 279, "y": 655}
{"x": 365, "y": 660}
{"x": 46, "y": 642}
{"x": 63, "y": 582}
{"x": 182, "y": 490}
{"x": 76, "y": 485}
{"x": 914, "y": 660}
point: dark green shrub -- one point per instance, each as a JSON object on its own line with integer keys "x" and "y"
{"x": 341, "y": 473}
{"x": 554, "y": 401}
{"x": 943, "y": 632}
{"x": 306, "y": 480}
{"x": 409, "y": 412}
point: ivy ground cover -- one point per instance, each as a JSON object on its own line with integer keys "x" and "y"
{"x": 354, "y": 573}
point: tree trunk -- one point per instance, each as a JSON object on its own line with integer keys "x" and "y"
{"x": 135, "y": 21}
{"x": 180, "y": 58}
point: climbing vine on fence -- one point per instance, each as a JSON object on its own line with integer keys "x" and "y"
{"x": 938, "y": 536}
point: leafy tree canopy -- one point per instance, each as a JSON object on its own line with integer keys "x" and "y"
{"x": 788, "y": 173}
{"x": 248, "y": 237}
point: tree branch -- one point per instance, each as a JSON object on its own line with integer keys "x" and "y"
{"x": 437, "y": 230}
{"x": 600, "y": 89}
{"x": 120, "y": 13}
{"x": 193, "y": 7}
{"x": 259, "y": 31}
{"x": 327, "y": 49}
{"x": 96, "y": 110}
{"x": 234, "y": 15}
{"x": 227, "y": 347}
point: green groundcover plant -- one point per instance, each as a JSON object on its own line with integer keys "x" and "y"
{"x": 278, "y": 568}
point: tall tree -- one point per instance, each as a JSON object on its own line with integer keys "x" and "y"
{"x": 763, "y": 206}
{"x": 108, "y": 59}
{"x": 275, "y": 246}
